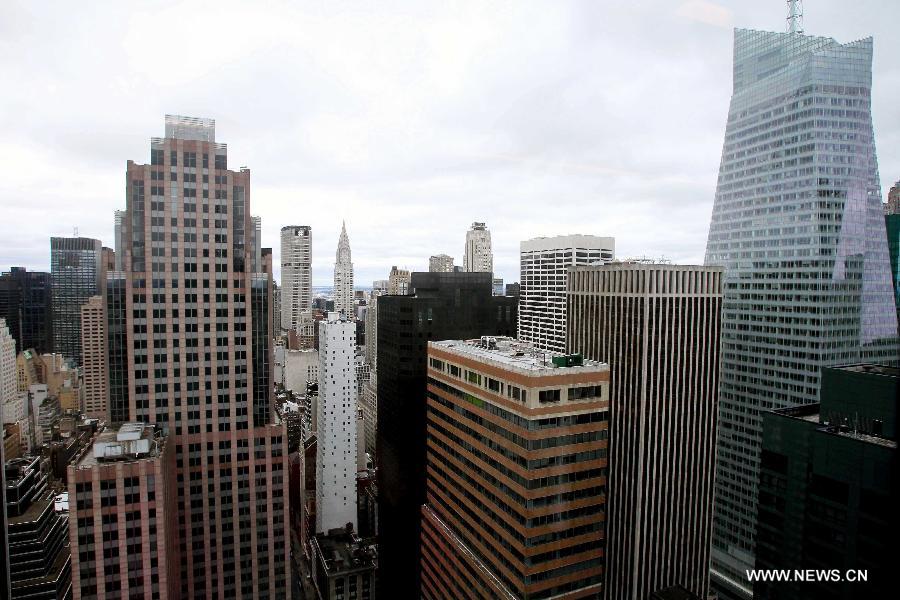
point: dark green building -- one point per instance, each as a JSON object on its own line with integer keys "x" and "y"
{"x": 893, "y": 235}
{"x": 828, "y": 489}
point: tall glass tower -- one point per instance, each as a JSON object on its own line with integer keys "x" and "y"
{"x": 798, "y": 225}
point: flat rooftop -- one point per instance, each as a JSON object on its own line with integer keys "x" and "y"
{"x": 512, "y": 354}
{"x": 811, "y": 414}
{"x": 870, "y": 368}
{"x": 345, "y": 553}
{"x": 124, "y": 434}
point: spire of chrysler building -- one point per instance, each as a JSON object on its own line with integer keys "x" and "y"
{"x": 343, "y": 277}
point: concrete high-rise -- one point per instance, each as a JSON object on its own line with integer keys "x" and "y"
{"x": 94, "y": 367}
{"x": 440, "y": 263}
{"x": 516, "y": 472}
{"x": 122, "y": 516}
{"x": 336, "y": 434}
{"x": 440, "y": 306}
{"x": 658, "y": 327}
{"x": 344, "y": 302}
{"x": 296, "y": 274}
{"x": 76, "y": 274}
{"x": 189, "y": 334}
{"x": 25, "y": 303}
{"x": 545, "y": 263}
{"x": 398, "y": 282}
{"x": 798, "y": 225}
{"x": 478, "y": 256}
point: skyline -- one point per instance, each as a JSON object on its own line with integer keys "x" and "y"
{"x": 494, "y": 109}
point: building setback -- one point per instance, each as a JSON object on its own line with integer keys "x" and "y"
{"x": 190, "y": 351}
{"x": 122, "y": 516}
{"x": 296, "y": 274}
{"x": 798, "y": 224}
{"x": 515, "y": 472}
{"x": 441, "y": 306}
{"x": 76, "y": 274}
{"x": 94, "y": 368}
{"x": 544, "y": 265}
{"x": 828, "y": 487}
{"x": 336, "y": 417}
{"x": 658, "y": 327}
{"x": 25, "y": 303}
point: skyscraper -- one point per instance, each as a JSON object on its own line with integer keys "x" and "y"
{"x": 343, "y": 277}
{"x": 296, "y": 274}
{"x": 798, "y": 225}
{"x": 25, "y": 303}
{"x": 76, "y": 273}
{"x": 398, "y": 281}
{"x": 336, "y": 435}
{"x": 441, "y": 306}
{"x": 658, "y": 328}
{"x": 118, "y": 250}
{"x": 545, "y": 263}
{"x": 478, "y": 257}
{"x": 190, "y": 351}
{"x": 441, "y": 263}
{"x": 94, "y": 366}
{"x": 516, "y": 472}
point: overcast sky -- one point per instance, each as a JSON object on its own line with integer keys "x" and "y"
{"x": 408, "y": 119}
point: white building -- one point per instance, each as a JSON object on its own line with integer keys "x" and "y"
{"x": 440, "y": 263}
{"x": 336, "y": 452}
{"x": 8, "y": 376}
{"x": 545, "y": 263}
{"x": 300, "y": 367}
{"x": 296, "y": 274}
{"x": 478, "y": 257}
{"x": 343, "y": 277}
{"x": 398, "y": 282}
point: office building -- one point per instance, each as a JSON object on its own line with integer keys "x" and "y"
{"x": 118, "y": 229}
{"x": 4, "y": 540}
{"x": 828, "y": 487}
{"x": 344, "y": 302}
{"x": 440, "y": 263}
{"x": 658, "y": 327}
{"x": 26, "y": 305}
{"x": 94, "y": 367}
{"x": 76, "y": 274}
{"x": 301, "y": 367}
{"x": 398, "y": 282}
{"x": 478, "y": 256}
{"x": 336, "y": 415}
{"x": 798, "y": 224}
{"x": 108, "y": 258}
{"x": 516, "y": 472}
{"x": 892, "y": 206}
{"x": 296, "y": 274}
{"x": 190, "y": 351}
{"x": 122, "y": 516}
{"x": 40, "y": 564}
{"x": 892, "y": 225}
{"x": 497, "y": 286}
{"x": 8, "y": 376}
{"x": 545, "y": 263}
{"x": 343, "y": 566}
{"x": 441, "y": 306}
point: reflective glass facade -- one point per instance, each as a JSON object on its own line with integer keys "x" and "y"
{"x": 798, "y": 224}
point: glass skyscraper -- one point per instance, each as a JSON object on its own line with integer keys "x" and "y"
{"x": 799, "y": 227}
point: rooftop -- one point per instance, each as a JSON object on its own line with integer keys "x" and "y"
{"x": 871, "y": 369}
{"x": 344, "y": 552}
{"x": 129, "y": 441}
{"x": 512, "y": 354}
{"x": 811, "y": 414}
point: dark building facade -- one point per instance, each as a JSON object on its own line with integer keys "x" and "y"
{"x": 25, "y": 303}
{"x": 828, "y": 488}
{"x": 892, "y": 224}
{"x": 658, "y": 328}
{"x": 440, "y": 306}
{"x": 76, "y": 274}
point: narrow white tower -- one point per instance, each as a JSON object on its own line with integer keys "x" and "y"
{"x": 343, "y": 277}
{"x": 336, "y": 453}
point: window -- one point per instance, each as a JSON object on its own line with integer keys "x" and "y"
{"x": 473, "y": 377}
{"x": 548, "y": 395}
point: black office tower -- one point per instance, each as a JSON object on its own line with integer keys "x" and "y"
{"x": 828, "y": 490}
{"x": 25, "y": 304}
{"x": 441, "y": 306}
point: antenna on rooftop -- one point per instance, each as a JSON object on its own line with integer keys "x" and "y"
{"x": 75, "y": 232}
{"x": 795, "y": 16}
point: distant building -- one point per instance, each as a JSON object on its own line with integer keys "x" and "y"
{"x": 343, "y": 566}
{"x": 828, "y": 487}
{"x": 497, "y": 286}
{"x": 296, "y": 274}
{"x": 658, "y": 327}
{"x": 490, "y": 496}
{"x": 344, "y": 302}
{"x": 118, "y": 231}
{"x": 398, "y": 282}
{"x": 441, "y": 306}
{"x": 440, "y": 263}
{"x": 892, "y": 206}
{"x": 95, "y": 370}
{"x": 336, "y": 414}
{"x": 123, "y": 524}
{"x": 76, "y": 274}
{"x": 40, "y": 562}
{"x": 25, "y": 303}
{"x": 108, "y": 257}
{"x": 478, "y": 257}
{"x": 513, "y": 289}
{"x": 545, "y": 263}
